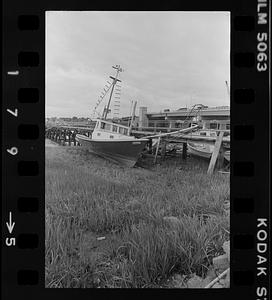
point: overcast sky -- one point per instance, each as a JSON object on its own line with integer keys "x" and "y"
{"x": 170, "y": 59}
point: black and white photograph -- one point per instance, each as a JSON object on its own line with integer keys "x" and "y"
{"x": 137, "y": 149}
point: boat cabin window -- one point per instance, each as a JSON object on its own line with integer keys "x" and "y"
{"x": 107, "y": 126}
{"x": 114, "y": 128}
{"x": 121, "y": 130}
{"x": 98, "y": 133}
{"x": 102, "y": 125}
{"x": 228, "y": 126}
{"x": 125, "y": 131}
{"x": 203, "y": 133}
{"x": 111, "y": 136}
{"x": 213, "y": 125}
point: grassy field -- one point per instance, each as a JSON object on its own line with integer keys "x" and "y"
{"x": 105, "y": 226}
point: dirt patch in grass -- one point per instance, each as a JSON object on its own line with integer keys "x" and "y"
{"x": 105, "y": 223}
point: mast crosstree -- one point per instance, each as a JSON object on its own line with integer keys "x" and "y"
{"x": 110, "y": 87}
{"x": 114, "y": 81}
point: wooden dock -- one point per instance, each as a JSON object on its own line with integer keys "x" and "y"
{"x": 65, "y": 135}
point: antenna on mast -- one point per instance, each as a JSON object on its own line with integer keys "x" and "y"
{"x": 115, "y": 80}
{"x": 109, "y": 87}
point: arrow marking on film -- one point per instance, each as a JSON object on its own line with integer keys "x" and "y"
{"x": 11, "y": 224}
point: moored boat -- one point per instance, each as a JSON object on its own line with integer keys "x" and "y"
{"x": 111, "y": 140}
{"x": 205, "y": 150}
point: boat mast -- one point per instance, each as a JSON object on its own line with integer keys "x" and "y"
{"x": 118, "y": 70}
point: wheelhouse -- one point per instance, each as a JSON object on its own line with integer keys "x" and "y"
{"x": 105, "y": 129}
{"x": 111, "y": 127}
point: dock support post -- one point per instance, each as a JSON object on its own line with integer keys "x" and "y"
{"x": 184, "y": 151}
{"x": 215, "y": 153}
{"x": 74, "y": 137}
{"x": 64, "y": 137}
{"x": 157, "y": 150}
{"x": 149, "y": 145}
{"x": 220, "y": 159}
{"x": 163, "y": 150}
{"x": 61, "y": 137}
{"x": 69, "y": 138}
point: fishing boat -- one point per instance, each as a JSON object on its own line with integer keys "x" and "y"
{"x": 205, "y": 150}
{"x": 111, "y": 140}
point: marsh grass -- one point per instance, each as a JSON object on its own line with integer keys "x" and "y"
{"x": 88, "y": 197}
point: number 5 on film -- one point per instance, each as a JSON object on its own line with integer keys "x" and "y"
{"x": 10, "y": 242}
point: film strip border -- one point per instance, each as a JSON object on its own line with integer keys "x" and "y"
{"x": 249, "y": 167}
{"x": 23, "y": 146}
{"x": 23, "y": 159}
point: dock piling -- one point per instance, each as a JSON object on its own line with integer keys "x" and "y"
{"x": 184, "y": 151}
{"x": 215, "y": 153}
{"x": 157, "y": 150}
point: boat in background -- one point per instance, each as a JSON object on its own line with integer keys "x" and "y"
{"x": 111, "y": 140}
{"x": 205, "y": 150}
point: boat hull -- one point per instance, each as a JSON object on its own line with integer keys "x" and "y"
{"x": 204, "y": 152}
{"x": 125, "y": 152}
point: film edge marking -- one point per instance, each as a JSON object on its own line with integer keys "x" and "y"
{"x": 15, "y": 73}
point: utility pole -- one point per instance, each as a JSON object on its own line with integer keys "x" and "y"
{"x": 132, "y": 116}
{"x": 227, "y": 88}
